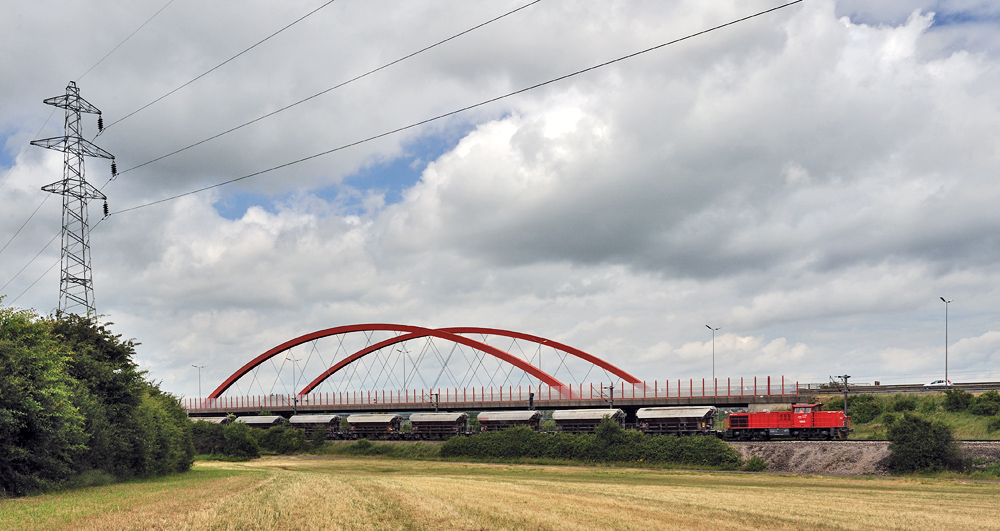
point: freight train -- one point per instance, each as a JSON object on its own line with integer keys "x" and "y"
{"x": 803, "y": 421}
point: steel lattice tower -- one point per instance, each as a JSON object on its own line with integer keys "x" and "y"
{"x": 76, "y": 285}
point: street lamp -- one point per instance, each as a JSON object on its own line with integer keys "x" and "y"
{"x": 714, "y": 330}
{"x": 199, "y": 367}
{"x": 946, "y": 303}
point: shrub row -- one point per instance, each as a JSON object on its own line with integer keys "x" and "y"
{"x": 74, "y": 405}
{"x": 610, "y": 444}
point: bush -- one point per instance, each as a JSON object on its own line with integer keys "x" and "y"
{"x": 863, "y": 408}
{"x": 984, "y": 408}
{"x": 888, "y": 419}
{"x": 902, "y": 403}
{"x": 208, "y": 437}
{"x": 755, "y": 464}
{"x": 986, "y": 404}
{"x": 42, "y": 432}
{"x": 240, "y": 443}
{"x": 994, "y": 424}
{"x": 918, "y": 445}
{"x": 609, "y": 444}
{"x": 957, "y": 400}
{"x": 74, "y": 406}
{"x": 318, "y": 437}
{"x": 928, "y": 405}
{"x": 280, "y": 440}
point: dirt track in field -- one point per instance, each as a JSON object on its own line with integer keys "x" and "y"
{"x": 853, "y": 458}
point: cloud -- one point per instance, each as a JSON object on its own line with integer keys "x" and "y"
{"x": 810, "y": 181}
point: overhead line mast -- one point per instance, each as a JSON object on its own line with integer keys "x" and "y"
{"x": 76, "y": 284}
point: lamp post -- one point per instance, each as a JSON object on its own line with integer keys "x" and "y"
{"x": 199, "y": 367}
{"x": 714, "y": 330}
{"x": 946, "y": 303}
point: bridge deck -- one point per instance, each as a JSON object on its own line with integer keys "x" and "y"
{"x": 478, "y": 399}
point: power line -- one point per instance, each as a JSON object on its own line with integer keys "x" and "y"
{"x": 36, "y": 280}
{"x": 285, "y": 108}
{"x": 216, "y": 67}
{"x": 32, "y": 261}
{"x": 25, "y": 150}
{"x": 25, "y": 223}
{"x": 422, "y": 122}
{"x": 123, "y": 42}
{"x": 457, "y": 111}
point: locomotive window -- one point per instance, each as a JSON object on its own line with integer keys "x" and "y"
{"x": 738, "y": 422}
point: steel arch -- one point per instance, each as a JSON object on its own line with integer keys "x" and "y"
{"x": 548, "y": 342}
{"x": 412, "y": 333}
{"x": 513, "y": 360}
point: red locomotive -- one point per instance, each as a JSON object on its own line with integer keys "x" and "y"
{"x": 804, "y": 421}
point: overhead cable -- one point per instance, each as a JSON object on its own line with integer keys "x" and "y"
{"x": 216, "y": 67}
{"x": 303, "y": 100}
{"x": 123, "y": 41}
{"x": 457, "y": 111}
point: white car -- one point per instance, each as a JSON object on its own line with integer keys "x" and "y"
{"x": 938, "y": 383}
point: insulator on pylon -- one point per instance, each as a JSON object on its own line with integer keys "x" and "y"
{"x": 114, "y": 170}
{"x": 106, "y": 209}
{"x": 100, "y": 123}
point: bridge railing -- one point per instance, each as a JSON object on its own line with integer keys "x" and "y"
{"x": 680, "y": 388}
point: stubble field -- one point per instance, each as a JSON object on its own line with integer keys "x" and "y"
{"x": 340, "y": 493}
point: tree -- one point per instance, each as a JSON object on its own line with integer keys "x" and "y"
{"x": 919, "y": 445}
{"x": 41, "y": 430}
{"x": 240, "y": 443}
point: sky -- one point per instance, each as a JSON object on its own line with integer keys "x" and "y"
{"x": 809, "y": 181}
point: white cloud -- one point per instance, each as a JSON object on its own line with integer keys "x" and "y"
{"x": 810, "y": 181}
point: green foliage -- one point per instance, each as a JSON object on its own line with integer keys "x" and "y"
{"x": 364, "y": 447}
{"x": 957, "y": 400}
{"x": 207, "y": 437}
{"x": 280, "y": 440}
{"x": 41, "y": 430}
{"x": 239, "y": 442}
{"x": 834, "y": 404}
{"x": 166, "y": 446}
{"x": 919, "y": 445}
{"x": 929, "y": 404}
{"x": 473, "y": 423}
{"x": 73, "y": 405}
{"x": 610, "y": 444}
{"x": 755, "y": 464}
{"x": 986, "y": 404}
{"x": 863, "y": 408}
{"x": 548, "y": 425}
{"x": 318, "y": 437}
{"x": 994, "y": 424}
{"x": 888, "y": 419}
{"x": 984, "y": 408}
{"x": 904, "y": 403}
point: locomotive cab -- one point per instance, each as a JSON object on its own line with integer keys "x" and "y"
{"x": 802, "y": 415}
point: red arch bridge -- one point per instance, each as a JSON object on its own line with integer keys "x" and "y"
{"x": 391, "y": 367}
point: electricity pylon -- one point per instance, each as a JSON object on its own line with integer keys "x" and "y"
{"x": 76, "y": 285}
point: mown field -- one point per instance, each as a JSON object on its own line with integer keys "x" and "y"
{"x": 343, "y": 493}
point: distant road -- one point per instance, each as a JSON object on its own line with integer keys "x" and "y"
{"x": 829, "y": 389}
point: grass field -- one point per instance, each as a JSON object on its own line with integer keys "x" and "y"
{"x": 344, "y": 493}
